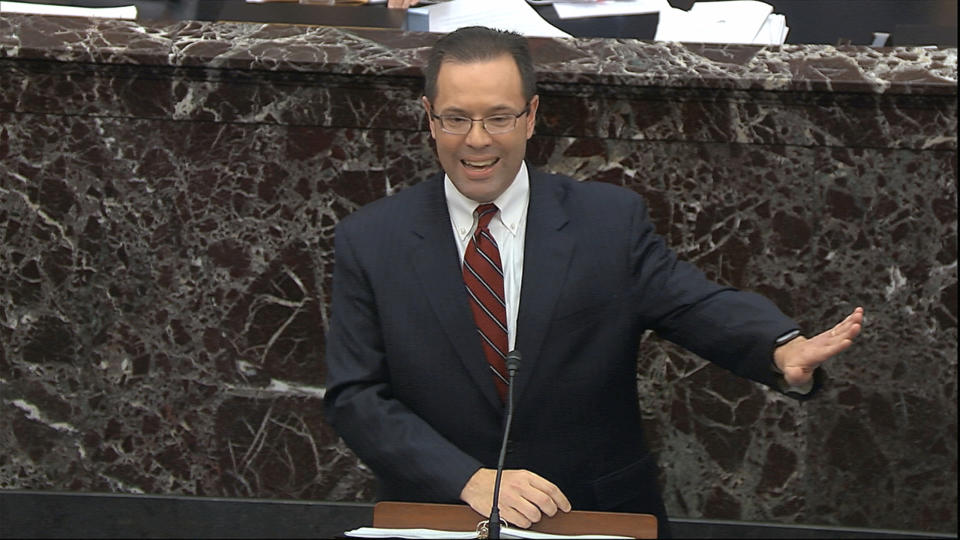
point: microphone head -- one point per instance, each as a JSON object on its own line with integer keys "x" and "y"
{"x": 513, "y": 362}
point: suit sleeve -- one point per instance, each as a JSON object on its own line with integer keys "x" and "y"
{"x": 734, "y": 329}
{"x": 394, "y": 441}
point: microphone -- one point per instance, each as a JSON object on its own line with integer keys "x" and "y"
{"x": 493, "y": 525}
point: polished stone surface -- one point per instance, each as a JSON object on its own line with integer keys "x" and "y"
{"x": 168, "y": 194}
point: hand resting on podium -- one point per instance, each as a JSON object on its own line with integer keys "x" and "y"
{"x": 524, "y": 496}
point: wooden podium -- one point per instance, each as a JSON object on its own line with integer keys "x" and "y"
{"x": 456, "y": 517}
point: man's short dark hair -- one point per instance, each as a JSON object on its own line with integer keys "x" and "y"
{"x": 479, "y": 44}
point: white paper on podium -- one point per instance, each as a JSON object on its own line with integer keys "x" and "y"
{"x": 773, "y": 32}
{"x": 505, "y": 532}
{"x": 731, "y": 21}
{"x": 607, "y": 8}
{"x": 377, "y": 532}
{"x": 122, "y": 12}
{"x": 515, "y": 15}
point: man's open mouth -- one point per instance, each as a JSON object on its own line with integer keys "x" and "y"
{"x": 479, "y": 164}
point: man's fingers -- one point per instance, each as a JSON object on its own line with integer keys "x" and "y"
{"x": 525, "y": 497}
{"x": 542, "y": 501}
{"x": 556, "y": 497}
{"x": 852, "y": 323}
{"x": 841, "y": 336}
{"x": 518, "y": 510}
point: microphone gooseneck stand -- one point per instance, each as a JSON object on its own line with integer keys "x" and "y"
{"x": 493, "y": 525}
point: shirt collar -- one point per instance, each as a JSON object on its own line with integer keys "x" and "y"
{"x": 512, "y": 204}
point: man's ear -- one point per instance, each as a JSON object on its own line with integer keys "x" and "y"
{"x": 426, "y": 107}
{"x": 532, "y": 115}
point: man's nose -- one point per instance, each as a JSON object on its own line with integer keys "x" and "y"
{"x": 477, "y": 136}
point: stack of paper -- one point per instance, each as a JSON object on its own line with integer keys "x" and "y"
{"x": 731, "y": 21}
{"x": 433, "y": 534}
{"x": 515, "y": 15}
{"x": 122, "y": 12}
{"x": 601, "y": 8}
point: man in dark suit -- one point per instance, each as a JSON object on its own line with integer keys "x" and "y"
{"x": 434, "y": 285}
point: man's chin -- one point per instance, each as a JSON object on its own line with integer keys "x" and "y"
{"x": 479, "y": 190}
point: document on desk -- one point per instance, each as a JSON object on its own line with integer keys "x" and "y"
{"x": 730, "y": 21}
{"x": 515, "y": 15}
{"x": 121, "y": 12}
{"x": 773, "y": 32}
{"x": 607, "y": 8}
{"x": 505, "y": 532}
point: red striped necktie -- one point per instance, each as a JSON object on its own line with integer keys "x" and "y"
{"x": 483, "y": 276}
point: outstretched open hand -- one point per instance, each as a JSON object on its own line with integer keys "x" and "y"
{"x": 798, "y": 358}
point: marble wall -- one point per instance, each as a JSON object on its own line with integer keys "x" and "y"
{"x": 168, "y": 194}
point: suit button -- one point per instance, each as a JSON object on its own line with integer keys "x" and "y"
{"x": 509, "y": 447}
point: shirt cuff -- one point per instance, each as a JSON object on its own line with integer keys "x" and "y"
{"x": 802, "y": 389}
{"x": 782, "y": 340}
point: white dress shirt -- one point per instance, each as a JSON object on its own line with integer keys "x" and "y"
{"x": 508, "y": 228}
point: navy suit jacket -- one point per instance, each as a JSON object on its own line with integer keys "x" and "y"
{"x": 409, "y": 390}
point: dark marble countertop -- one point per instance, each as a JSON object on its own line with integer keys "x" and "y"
{"x": 619, "y": 62}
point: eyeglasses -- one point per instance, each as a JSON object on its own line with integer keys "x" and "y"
{"x": 494, "y": 125}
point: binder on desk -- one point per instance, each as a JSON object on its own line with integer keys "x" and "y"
{"x": 454, "y": 517}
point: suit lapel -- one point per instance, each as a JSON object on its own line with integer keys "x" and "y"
{"x": 548, "y": 248}
{"x": 437, "y": 263}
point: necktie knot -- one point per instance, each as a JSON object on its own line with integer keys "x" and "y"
{"x": 485, "y": 213}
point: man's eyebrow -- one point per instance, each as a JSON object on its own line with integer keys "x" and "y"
{"x": 456, "y": 111}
